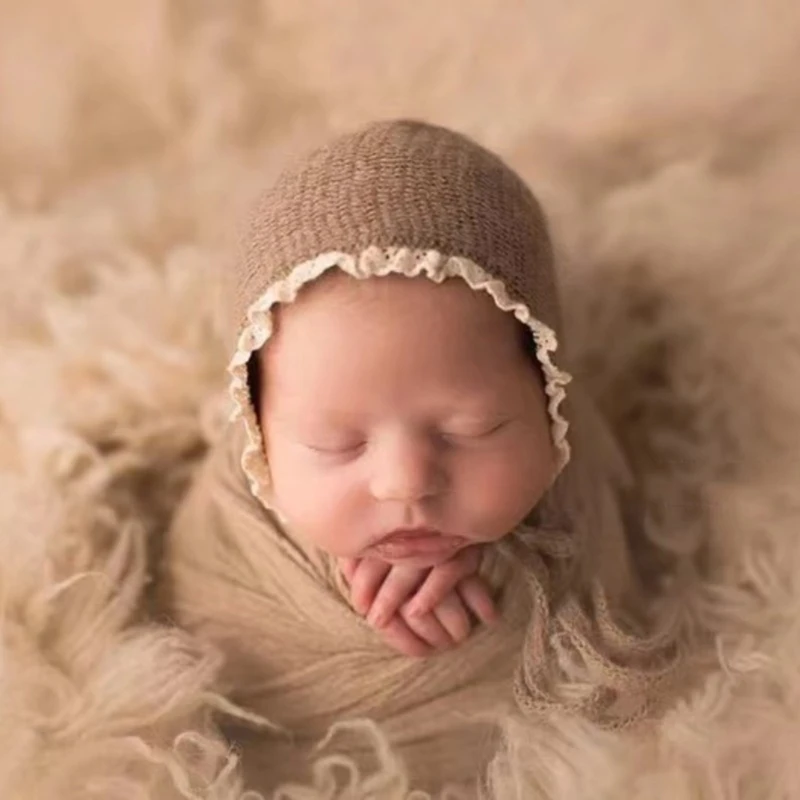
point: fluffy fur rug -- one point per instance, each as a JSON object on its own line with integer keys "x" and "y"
{"x": 665, "y": 148}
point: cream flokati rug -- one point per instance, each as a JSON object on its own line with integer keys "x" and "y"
{"x": 662, "y": 138}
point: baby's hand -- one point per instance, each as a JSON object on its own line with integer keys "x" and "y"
{"x": 436, "y": 615}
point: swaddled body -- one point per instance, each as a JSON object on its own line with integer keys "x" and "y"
{"x": 382, "y": 292}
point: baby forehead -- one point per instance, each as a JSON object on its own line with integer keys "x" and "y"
{"x": 340, "y": 312}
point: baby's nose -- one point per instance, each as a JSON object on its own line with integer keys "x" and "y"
{"x": 406, "y": 469}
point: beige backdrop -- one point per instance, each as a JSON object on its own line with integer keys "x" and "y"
{"x": 662, "y": 137}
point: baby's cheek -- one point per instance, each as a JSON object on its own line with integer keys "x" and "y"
{"x": 293, "y": 490}
{"x": 331, "y": 518}
{"x": 504, "y": 491}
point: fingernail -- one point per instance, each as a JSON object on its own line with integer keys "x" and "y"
{"x": 376, "y": 618}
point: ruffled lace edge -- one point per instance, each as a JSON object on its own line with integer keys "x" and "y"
{"x": 376, "y": 262}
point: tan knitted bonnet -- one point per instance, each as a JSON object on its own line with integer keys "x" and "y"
{"x": 396, "y": 197}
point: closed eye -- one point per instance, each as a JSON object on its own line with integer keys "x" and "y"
{"x": 480, "y": 433}
{"x": 342, "y": 450}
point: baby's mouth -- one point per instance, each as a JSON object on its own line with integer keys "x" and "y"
{"x": 410, "y": 543}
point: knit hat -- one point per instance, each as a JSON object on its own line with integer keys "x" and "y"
{"x": 396, "y": 197}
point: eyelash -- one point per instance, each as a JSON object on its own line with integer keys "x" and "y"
{"x": 482, "y": 435}
{"x": 344, "y": 451}
{"x": 340, "y": 451}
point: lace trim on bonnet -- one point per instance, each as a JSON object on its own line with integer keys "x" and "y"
{"x": 376, "y": 262}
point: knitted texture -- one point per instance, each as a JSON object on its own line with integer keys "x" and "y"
{"x": 408, "y": 184}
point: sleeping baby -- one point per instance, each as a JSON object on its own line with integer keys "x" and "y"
{"x": 414, "y": 516}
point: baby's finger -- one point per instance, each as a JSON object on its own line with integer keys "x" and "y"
{"x": 394, "y": 591}
{"x": 476, "y": 597}
{"x": 441, "y": 581}
{"x": 453, "y": 616}
{"x": 365, "y": 583}
{"x": 348, "y": 567}
{"x": 400, "y": 637}
{"x": 430, "y": 630}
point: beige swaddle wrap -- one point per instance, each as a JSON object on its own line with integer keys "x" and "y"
{"x": 414, "y": 199}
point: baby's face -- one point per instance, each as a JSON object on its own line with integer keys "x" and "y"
{"x": 397, "y": 403}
